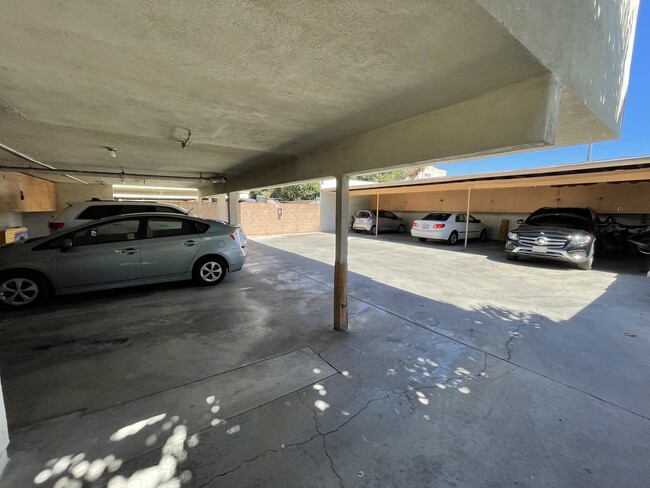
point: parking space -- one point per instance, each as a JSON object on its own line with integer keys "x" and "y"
{"x": 460, "y": 368}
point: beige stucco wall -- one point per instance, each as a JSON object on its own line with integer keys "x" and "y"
{"x": 604, "y": 198}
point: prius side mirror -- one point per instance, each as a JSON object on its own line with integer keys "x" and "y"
{"x": 66, "y": 245}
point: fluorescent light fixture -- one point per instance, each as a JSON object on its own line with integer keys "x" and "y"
{"x": 144, "y": 188}
{"x": 152, "y": 196}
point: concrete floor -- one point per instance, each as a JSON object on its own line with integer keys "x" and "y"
{"x": 460, "y": 369}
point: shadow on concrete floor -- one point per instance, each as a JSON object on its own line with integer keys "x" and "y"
{"x": 420, "y": 386}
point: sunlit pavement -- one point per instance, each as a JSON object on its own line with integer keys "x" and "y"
{"x": 459, "y": 369}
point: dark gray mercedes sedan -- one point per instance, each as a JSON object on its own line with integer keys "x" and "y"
{"x": 116, "y": 252}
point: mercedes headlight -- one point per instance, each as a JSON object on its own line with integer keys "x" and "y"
{"x": 512, "y": 236}
{"x": 580, "y": 239}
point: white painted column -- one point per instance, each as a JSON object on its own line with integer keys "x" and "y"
{"x": 4, "y": 433}
{"x": 341, "y": 260}
{"x": 233, "y": 208}
{"x": 222, "y": 207}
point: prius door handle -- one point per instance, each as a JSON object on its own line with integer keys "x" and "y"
{"x": 189, "y": 243}
{"x": 129, "y": 250}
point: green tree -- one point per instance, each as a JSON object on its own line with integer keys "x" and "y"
{"x": 307, "y": 191}
{"x": 395, "y": 175}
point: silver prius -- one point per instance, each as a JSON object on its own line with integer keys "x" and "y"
{"x": 115, "y": 252}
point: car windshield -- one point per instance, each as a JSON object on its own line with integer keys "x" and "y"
{"x": 562, "y": 219}
{"x": 362, "y": 214}
{"x": 437, "y": 216}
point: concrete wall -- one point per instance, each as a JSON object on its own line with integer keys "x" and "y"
{"x": 4, "y": 433}
{"x": 36, "y": 222}
{"x": 262, "y": 218}
{"x": 328, "y": 209}
{"x": 588, "y": 44}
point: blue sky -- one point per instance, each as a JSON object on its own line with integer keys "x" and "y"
{"x": 635, "y": 137}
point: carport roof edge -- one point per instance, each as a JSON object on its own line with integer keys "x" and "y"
{"x": 629, "y": 169}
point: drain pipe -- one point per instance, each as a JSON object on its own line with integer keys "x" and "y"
{"x": 32, "y": 160}
{"x": 123, "y": 175}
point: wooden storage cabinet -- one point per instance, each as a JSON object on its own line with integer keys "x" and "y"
{"x": 22, "y": 193}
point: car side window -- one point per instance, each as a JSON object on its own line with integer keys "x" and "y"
{"x": 167, "y": 227}
{"x": 472, "y": 219}
{"x": 390, "y": 215}
{"x": 460, "y": 218}
{"x": 52, "y": 243}
{"x": 116, "y": 231}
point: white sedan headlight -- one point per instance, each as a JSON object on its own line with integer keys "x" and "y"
{"x": 512, "y": 236}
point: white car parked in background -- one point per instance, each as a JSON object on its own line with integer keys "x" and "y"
{"x": 83, "y": 212}
{"x": 448, "y": 226}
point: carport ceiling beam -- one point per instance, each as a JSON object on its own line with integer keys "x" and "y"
{"x": 519, "y": 116}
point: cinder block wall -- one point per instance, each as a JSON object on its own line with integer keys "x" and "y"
{"x": 208, "y": 210}
{"x": 262, "y": 218}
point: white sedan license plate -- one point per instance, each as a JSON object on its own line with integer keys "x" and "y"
{"x": 425, "y": 226}
{"x": 540, "y": 249}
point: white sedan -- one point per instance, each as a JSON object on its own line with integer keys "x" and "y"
{"x": 448, "y": 227}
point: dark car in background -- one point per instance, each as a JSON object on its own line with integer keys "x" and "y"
{"x": 562, "y": 234}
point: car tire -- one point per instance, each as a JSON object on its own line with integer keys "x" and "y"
{"x": 422, "y": 239}
{"x": 512, "y": 257}
{"x": 401, "y": 229}
{"x": 210, "y": 270}
{"x": 373, "y": 229}
{"x": 483, "y": 236}
{"x": 588, "y": 264}
{"x": 23, "y": 289}
{"x": 453, "y": 238}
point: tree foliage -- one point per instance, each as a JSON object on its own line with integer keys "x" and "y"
{"x": 395, "y": 175}
{"x": 307, "y": 191}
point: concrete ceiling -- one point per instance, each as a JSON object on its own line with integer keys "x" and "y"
{"x": 255, "y": 81}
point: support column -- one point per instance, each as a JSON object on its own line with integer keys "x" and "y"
{"x": 377, "y": 218}
{"x": 341, "y": 260}
{"x": 469, "y": 196}
{"x": 4, "y": 433}
{"x": 233, "y": 208}
{"x": 222, "y": 207}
